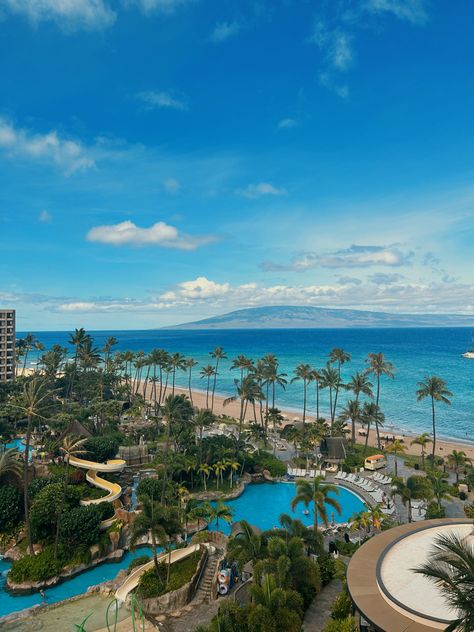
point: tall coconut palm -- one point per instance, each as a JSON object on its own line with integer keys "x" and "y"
{"x": 372, "y": 415}
{"x": 422, "y": 440}
{"x": 189, "y": 365}
{"x": 439, "y": 486}
{"x": 218, "y": 354}
{"x": 317, "y": 378}
{"x": 10, "y": 464}
{"x": 247, "y": 392}
{"x": 436, "y": 389}
{"x": 397, "y": 448}
{"x": 109, "y": 344}
{"x": 28, "y": 345}
{"x": 177, "y": 363}
{"x": 220, "y": 511}
{"x": 318, "y": 493}
{"x": 233, "y": 465}
{"x": 339, "y": 357}
{"x": 71, "y": 447}
{"x": 243, "y": 364}
{"x": 412, "y": 488}
{"x": 206, "y": 373}
{"x": 450, "y": 567}
{"x": 205, "y": 470}
{"x": 175, "y": 408}
{"x": 304, "y": 373}
{"x": 360, "y": 384}
{"x": 458, "y": 460}
{"x": 78, "y": 339}
{"x": 330, "y": 379}
{"x": 353, "y": 413}
{"x": 379, "y": 366}
{"x": 203, "y": 418}
{"x": 32, "y": 403}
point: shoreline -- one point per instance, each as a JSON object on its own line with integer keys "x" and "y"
{"x": 443, "y": 445}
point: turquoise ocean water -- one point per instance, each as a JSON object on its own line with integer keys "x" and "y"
{"x": 415, "y": 353}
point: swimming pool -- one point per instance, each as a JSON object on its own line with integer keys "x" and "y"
{"x": 262, "y": 505}
{"x": 76, "y": 586}
{"x": 20, "y": 446}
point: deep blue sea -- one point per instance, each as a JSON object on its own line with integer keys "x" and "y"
{"x": 415, "y": 353}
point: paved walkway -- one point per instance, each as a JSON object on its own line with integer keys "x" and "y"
{"x": 319, "y": 611}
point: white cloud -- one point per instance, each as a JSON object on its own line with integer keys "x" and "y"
{"x": 254, "y": 191}
{"x": 163, "y": 6}
{"x": 335, "y": 45}
{"x": 381, "y": 278}
{"x": 69, "y": 155}
{"x": 159, "y": 234}
{"x": 224, "y": 30}
{"x": 353, "y": 257}
{"x": 412, "y": 10}
{"x": 172, "y": 185}
{"x": 161, "y": 99}
{"x": 68, "y": 14}
{"x": 45, "y": 217}
{"x": 287, "y": 123}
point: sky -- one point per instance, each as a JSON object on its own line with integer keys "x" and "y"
{"x": 163, "y": 161}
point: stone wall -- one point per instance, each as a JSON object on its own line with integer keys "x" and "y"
{"x": 176, "y": 599}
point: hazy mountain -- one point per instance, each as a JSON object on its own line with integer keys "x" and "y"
{"x": 289, "y": 317}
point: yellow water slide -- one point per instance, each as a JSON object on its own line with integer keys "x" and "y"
{"x": 114, "y": 489}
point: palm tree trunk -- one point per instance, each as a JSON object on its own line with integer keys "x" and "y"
{"x": 315, "y": 519}
{"x": 153, "y": 549}
{"x": 304, "y": 400}
{"x": 214, "y": 385}
{"x": 189, "y": 387}
{"x": 207, "y": 391}
{"x": 434, "y": 428}
{"x": 25, "y": 487}
{"x": 367, "y": 437}
{"x": 317, "y": 400}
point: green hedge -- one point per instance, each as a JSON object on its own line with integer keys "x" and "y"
{"x": 10, "y": 508}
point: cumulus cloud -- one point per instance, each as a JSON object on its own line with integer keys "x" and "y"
{"x": 159, "y": 234}
{"x": 254, "y": 191}
{"x": 161, "y": 99}
{"x": 45, "y": 217}
{"x": 70, "y": 155}
{"x": 68, "y": 14}
{"x": 413, "y": 11}
{"x": 353, "y": 257}
{"x": 224, "y": 30}
{"x": 287, "y": 123}
{"x": 172, "y": 185}
{"x": 381, "y": 278}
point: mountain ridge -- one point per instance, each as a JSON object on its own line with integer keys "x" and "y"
{"x": 298, "y": 317}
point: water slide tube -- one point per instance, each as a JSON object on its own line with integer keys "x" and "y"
{"x": 114, "y": 465}
{"x": 132, "y": 580}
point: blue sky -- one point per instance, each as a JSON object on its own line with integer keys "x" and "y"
{"x": 166, "y": 160}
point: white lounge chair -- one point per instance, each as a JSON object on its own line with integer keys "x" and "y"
{"x": 311, "y": 474}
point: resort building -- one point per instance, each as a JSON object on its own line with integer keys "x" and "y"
{"x": 7, "y": 344}
{"x": 387, "y": 593}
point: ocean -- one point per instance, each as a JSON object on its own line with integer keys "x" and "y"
{"x": 415, "y": 353}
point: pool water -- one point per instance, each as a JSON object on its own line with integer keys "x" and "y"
{"x": 76, "y": 586}
{"x": 19, "y": 445}
{"x": 262, "y": 505}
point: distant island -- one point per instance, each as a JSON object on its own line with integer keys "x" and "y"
{"x": 294, "y": 317}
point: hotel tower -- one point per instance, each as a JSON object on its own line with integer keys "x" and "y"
{"x": 7, "y": 345}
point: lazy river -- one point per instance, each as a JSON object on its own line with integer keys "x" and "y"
{"x": 261, "y": 505}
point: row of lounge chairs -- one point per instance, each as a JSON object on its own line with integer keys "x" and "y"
{"x": 301, "y": 473}
{"x": 374, "y": 492}
{"x": 381, "y": 478}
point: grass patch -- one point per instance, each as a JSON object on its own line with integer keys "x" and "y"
{"x": 153, "y": 584}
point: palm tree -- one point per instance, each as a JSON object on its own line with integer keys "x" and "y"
{"x": 274, "y": 608}
{"x": 353, "y": 413}
{"x": 163, "y": 525}
{"x": 175, "y": 408}
{"x": 207, "y": 372}
{"x": 243, "y": 364}
{"x": 10, "y": 463}
{"x": 177, "y": 363}
{"x": 371, "y": 414}
{"x": 219, "y": 469}
{"x": 32, "y": 403}
{"x": 379, "y": 366}
{"x": 422, "y": 440}
{"x": 205, "y": 470}
{"x": 72, "y": 446}
{"x": 317, "y": 377}
{"x": 397, "y": 448}
{"x": 318, "y": 493}
{"x": 220, "y": 511}
{"x": 28, "y": 344}
{"x": 360, "y": 384}
{"x": 330, "y": 380}
{"x": 435, "y": 388}
{"x": 451, "y": 569}
{"x": 234, "y": 466}
{"x": 458, "y": 460}
{"x": 189, "y": 364}
{"x": 414, "y": 487}
{"x": 305, "y": 373}
{"x": 248, "y": 392}
{"x": 218, "y": 354}
{"x": 440, "y": 487}
{"x": 338, "y": 356}
{"x": 78, "y": 339}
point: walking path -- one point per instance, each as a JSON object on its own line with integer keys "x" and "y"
{"x": 319, "y": 612}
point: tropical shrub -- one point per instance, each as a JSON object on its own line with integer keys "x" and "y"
{"x": 306, "y": 578}
{"x": 36, "y": 485}
{"x": 36, "y": 568}
{"x": 80, "y": 526}
{"x": 102, "y": 449}
{"x": 138, "y": 561}
{"x": 106, "y": 510}
{"x": 10, "y": 508}
{"x": 266, "y": 461}
{"x": 469, "y": 511}
{"x": 341, "y": 606}
{"x": 433, "y": 511}
{"x": 326, "y": 567}
{"x": 341, "y": 625}
{"x": 46, "y": 506}
{"x": 153, "y": 584}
